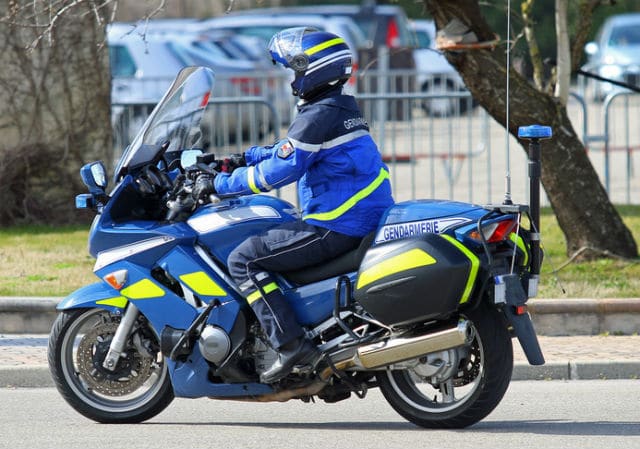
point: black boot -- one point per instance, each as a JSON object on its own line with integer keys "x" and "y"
{"x": 299, "y": 352}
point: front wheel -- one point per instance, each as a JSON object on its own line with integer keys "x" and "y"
{"x": 139, "y": 387}
{"x": 466, "y": 394}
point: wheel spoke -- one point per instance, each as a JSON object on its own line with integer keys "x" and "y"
{"x": 448, "y": 392}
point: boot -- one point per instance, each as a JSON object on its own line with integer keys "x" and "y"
{"x": 298, "y": 352}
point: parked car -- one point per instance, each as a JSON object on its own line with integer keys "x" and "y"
{"x": 615, "y": 54}
{"x": 144, "y": 63}
{"x": 264, "y": 26}
{"x": 382, "y": 25}
{"x": 435, "y": 75}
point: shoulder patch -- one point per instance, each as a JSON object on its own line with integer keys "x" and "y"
{"x": 285, "y": 150}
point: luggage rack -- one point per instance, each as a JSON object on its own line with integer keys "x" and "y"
{"x": 349, "y": 305}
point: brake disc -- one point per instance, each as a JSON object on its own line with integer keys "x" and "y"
{"x": 469, "y": 368}
{"x": 132, "y": 370}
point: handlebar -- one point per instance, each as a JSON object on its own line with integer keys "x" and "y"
{"x": 180, "y": 202}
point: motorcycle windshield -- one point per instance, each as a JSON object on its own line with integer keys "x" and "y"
{"x": 174, "y": 124}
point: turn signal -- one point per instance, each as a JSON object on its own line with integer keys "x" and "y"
{"x": 117, "y": 279}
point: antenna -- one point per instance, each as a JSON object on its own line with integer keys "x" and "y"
{"x": 507, "y": 193}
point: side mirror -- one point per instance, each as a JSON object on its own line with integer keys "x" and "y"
{"x": 591, "y": 48}
{"x": 94, "y": 176}
{"x": 189, "y": 157}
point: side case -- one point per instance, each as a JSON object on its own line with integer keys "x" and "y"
{"x": 416, "y": 279}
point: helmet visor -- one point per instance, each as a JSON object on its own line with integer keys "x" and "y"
{"x": 286, "y": 48}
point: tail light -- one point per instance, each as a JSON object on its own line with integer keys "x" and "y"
{"x": 393, "y": 36}
{"x": 495, "y": 231}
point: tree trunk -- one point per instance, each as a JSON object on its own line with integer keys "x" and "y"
{"x": 580, "y": 202}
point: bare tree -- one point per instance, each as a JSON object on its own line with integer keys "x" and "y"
{"x": 591, "y": 225}
{"x": 54, "y": 105}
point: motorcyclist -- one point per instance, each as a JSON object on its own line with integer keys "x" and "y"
{"x": 343, "y": 187}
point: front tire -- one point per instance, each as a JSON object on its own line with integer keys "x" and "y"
{"x": 471, "y": 393}
{"x": 138, "y": 389}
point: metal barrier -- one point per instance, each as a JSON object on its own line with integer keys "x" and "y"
{"x": 457, "y": 155}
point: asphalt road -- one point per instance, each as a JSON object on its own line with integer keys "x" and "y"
{"x": 534, "y": 414}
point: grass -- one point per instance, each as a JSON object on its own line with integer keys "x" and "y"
{"x": 44, "y": 261}
{"x": 602, "y": 278}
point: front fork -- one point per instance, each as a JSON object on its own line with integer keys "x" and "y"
{"x": 117, "y": 346}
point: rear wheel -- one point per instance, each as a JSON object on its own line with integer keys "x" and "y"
{"x": 467, "y": 393}
{"x": 139, "y": 387}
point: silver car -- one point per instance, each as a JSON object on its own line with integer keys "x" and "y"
{"x": 145, "y": 61}
{"x": 615, "y": 54}
{"x": 436, "y": 76}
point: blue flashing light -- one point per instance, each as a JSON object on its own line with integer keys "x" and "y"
{"x": 534, "y": 132}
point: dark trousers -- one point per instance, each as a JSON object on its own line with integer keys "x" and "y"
{"x": 288, "y": 247}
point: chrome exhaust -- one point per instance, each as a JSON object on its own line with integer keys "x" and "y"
{"x": 396, "y": 350}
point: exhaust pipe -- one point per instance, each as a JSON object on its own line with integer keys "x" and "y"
{"x": 397, "y": 350}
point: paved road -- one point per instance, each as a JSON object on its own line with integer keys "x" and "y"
{"x": 23, "y": 359}
{"x": 533, "y": 414}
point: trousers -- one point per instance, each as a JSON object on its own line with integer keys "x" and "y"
{"x": 287, "y": 247}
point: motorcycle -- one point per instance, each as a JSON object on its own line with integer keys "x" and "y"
{"x": 424, "y": 309}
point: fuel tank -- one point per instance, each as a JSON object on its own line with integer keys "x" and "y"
{"x": 223, "y": 226}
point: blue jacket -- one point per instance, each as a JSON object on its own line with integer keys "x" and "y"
{"x": 343, "y": 185}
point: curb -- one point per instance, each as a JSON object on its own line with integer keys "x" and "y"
{"x": 38, "y": 376}
{"x": 552, "y": 317}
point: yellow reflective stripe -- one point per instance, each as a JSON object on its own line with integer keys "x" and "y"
{"x": 473, "y": 272}
{"x": 202, "y": 284}
{"x": 118, "y": 301}
{"x": 359, "y": 196}
{"x": 519, "y": 241}
{"x": 251, "y": 179}
{"x": 326, "y": 44}
{"x": 402, "y": 262}
{"x": 253, "y": 297}
{"x": 142, "y": 290}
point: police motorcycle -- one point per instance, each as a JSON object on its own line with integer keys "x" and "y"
{"x": 425, "y": 309}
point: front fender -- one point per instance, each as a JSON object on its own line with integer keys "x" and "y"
{"x": 94, "y": 295}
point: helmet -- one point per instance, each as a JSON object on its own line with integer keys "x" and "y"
{"x": 319, "y": 59}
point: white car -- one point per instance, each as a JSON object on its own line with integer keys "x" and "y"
{"x": 436, "y": 76}
{"x": 615, "y": 54}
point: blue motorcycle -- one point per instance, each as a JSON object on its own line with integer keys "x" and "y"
{"x": 425, "y": 309}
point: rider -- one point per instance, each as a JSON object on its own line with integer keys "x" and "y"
{"x": 343, "y": 187}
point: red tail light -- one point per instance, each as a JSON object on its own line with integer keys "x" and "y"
{"x": 393, "y": 36}
{"x": 495, "y": 232}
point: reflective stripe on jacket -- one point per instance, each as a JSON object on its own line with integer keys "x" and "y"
{"x": 343, "y": 185}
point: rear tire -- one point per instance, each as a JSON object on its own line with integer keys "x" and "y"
{"x": 137, "y": 390}
{"x": 482, "y": 376}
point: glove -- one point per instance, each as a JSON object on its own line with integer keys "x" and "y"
{"x": 203, "y": 186}
{"x": 232, "y": 162}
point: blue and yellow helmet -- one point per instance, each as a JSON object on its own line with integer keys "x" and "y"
{"x": 319, "y": 59}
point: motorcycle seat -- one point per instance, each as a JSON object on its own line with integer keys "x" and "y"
{"x": 343, "y": 264}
